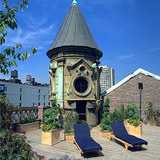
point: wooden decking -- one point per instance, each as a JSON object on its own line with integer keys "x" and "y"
{"x": 111, "y": 150}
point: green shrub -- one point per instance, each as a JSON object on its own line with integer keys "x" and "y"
{"x": 117, "y": 116}
{"x": 27, "y": 120}
{"x": 132, "y": 112}
{"x": 50, "y": 118}
{"x": 106, "y": 122}
{"x": 32, "y": 119}
{"x": 69, "y": 120}
{"x": 5, "y": 114}
{"x": 21, "y": 121}
{"x": 24, "y": 121}
{"x": 13, "y": 146}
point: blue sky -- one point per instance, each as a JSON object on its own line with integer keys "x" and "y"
{"x": 127, "y": 31}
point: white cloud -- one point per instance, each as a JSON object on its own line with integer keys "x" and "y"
{"x": 124, "y": 57}
{"x": 29, "y": 37}
{"x": 34, "y": 23}
{"x": 121, "y": 58}
{"x": 40, "y": 48}
{"x": 154, "y": 49}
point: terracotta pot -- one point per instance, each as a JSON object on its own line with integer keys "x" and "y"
{"x": 135, "y": 130}
{"x": 103, "y": 134}
{"x": 27, "y": 127}
{"x": 69, "y": 137}
{"x": 50, "y": 138}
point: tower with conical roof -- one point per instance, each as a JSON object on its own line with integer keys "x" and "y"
{"x": 74, "y": 71}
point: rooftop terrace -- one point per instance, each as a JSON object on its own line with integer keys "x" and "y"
{"x": 66, "y": 150}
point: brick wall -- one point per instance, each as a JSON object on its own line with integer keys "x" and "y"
{"x": 129, "y": 93}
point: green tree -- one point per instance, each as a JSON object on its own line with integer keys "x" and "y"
{"x": 105, "y": 122}
{"x": 9, "y": 55}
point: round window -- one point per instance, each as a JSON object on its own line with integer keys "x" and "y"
{"x": 82, "y": 68}
{"x": 81, "y": 85}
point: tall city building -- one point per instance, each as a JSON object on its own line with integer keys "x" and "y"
{"x": 107, "y": 78}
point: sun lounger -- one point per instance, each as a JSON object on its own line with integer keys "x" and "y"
{"x": 83, "y": 139}
{"x": 121, "y": 134}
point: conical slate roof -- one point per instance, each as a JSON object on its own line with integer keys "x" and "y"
{"x": 74, "y": 31}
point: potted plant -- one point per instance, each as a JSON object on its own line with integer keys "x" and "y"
{"x": 51, "y": 126}
{"x": 105, "y": 125}
{"x": 27, "y": 124}
{"x": 135, "y": 127}
{"x": 69, "y": 120}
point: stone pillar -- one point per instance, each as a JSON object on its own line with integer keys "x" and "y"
{"x": 41, "y": 110}
{"x": 60, "y": 83}
{"x": 91, "y": 116}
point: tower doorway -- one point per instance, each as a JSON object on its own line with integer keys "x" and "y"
{"x": 81, "y": 109}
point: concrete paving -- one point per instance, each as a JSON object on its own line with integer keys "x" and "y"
{"x": 66, "y": 150}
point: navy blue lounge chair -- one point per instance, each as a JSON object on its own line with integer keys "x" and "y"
{"x": 121, "y": 134}
{"x": 83, "y": 139}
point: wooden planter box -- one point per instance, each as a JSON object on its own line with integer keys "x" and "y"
{"x": 27, "y": 127}
{"x": 50, "y": 137}
{"x": 135, "y": 130}
{"x": 69, "y": 137}
{"x": 126, "y": 123}
{"x": 103, "y": 134}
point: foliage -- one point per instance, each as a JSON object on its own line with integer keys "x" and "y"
{"x": 13, "y": 145}
{"x": 132, "y": 112}
{"x": 106, "y": 122}
{"x": 134, "y": 122}
{"x": 122, "y": 108}
{"x": 84, "y": 122}
{"x": 50, "y": 118}
{"x": 150, "y": 106}
{"x": 8, "y": 21}
{"x": 27, "y": 120}
{"x": 32, "y": 119}
{"x": 69, "y": 120}
{"x": 119, "y": 115}
{"x": 5, "y": 114}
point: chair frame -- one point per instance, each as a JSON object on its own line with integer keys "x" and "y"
{"x": 126, "y": 144}
{"x": 81, "y": 152}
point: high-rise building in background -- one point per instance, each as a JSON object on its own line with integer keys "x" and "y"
{"x": 107, "y": 78}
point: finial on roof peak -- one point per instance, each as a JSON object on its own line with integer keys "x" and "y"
{"x": 75, "y": 2}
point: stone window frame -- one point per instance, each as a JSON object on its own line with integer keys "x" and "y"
{"x": 87, "y": 92}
